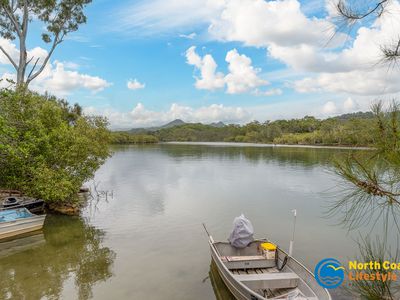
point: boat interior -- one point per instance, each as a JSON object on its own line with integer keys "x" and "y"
{"x": 11, "y": 215}
{"x": 270, "y": 278}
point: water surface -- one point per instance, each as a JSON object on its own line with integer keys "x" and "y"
{"x": 147, "y": 242}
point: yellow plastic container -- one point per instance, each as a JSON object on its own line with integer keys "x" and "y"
{"x": 268, "y": 246}
{"x": 269, "y": 250}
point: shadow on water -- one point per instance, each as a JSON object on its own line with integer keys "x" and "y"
{"x": 68, "y": 252}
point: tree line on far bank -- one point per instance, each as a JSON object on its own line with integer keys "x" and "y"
{"x": 351, "y": 129}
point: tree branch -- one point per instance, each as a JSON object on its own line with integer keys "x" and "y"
{"x": 346, "y": 12}
{"x": 391, "y": 53}
{"x": 33, "y": 68}
{"x": 9, "y": 58}
{"x": 56, "y": 42}
{"x": 29, "y": 61}
{"x": 25, "y": 20}
{"x": 10, "y": 14}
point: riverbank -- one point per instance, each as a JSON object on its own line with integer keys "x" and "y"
{"x": 234, "y": 144}
{"x": 249, "y": 144}
{"x": 70, "y": 208}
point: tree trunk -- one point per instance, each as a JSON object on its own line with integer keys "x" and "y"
{"x": 22, "y": 49}
{"x": 22, "y": 64}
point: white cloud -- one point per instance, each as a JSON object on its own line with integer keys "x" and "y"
{"x": 7, "y": 80}
{"x": 189, "y": 36}
{"x": 270, "y": 92}
{"x": 157, "y": 17}
{"x": 369, "y": 83}
{"x": 139, "y": 116}
{"x": 135, "y": 84}
{"x": 58, "y": 78}
{"x": 11, "y": 49}
{"x": 350, "y": 105}
{"x": 192, "y": 58}
{"x": 59, "y": 81}
{"x": 329, "y": 108}
{"x": 304, "y": 44}
{"x": 334, "y": 108}
{"x": 242, "y": 76}
{"x": 70, "y": 65}
{"x": 260, "y": 23}
{"x": 209, "y": 79}
{"x": 356, "y": 69}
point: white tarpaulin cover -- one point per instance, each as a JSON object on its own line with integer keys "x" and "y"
{"x": 242, "y": 233}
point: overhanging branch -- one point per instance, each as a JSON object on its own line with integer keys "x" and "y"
{"x": 347, "y": 12}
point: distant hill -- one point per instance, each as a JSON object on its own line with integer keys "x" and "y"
{"x": 174, "y": 123}
{"x": 218, "y": 124}
{"x": 171, "y": 124}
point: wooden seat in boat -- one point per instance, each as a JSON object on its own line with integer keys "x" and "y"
{"x": 242, "y": 258}
{"x": 247, "y": 262}
{"x": 278, "y": 280}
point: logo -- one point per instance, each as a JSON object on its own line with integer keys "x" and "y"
{"x": 329, "y": 273}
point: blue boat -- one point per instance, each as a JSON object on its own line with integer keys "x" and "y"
{"x": 15, "y": 222}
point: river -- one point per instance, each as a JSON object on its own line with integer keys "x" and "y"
{"x": 146, "y": 241}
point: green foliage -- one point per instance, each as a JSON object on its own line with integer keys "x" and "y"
{"x": 60, "y": 17}
{"x": 127, "y": 138}
{"x": 352, "y": 131}
{"x": 195, "y": 133}
{"x": 376, "y": 251}
{"x": 373, "y": 180}
{"x": 371, "y": 183}
{"x": 47, "y": 150}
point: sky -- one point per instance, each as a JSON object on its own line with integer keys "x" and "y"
{"x": 145, "y": 63}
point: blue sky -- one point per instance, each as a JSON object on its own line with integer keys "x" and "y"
{"x": 216, "y": 60}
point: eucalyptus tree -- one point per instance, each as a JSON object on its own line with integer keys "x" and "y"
{"x": 59, "y": 17}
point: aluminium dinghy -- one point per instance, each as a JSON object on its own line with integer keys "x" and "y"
{"x": 259, "y": 269}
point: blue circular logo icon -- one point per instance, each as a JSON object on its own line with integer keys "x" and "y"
{"x": 329, "y": 273}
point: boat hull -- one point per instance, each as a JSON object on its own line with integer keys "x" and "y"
{"x": 238, "y": 291}
{"x": 31, "y": 204}
{"x": 21, "y": 226}
{"x": 242, "y": 292}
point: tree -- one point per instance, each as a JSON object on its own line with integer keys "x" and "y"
{"x": 374, "y": 177}
{"x": 372, "y": 195}
{"x": 351, "y": 12}
{"x": 47, "y": 150}
{"x": 60, "y": 17}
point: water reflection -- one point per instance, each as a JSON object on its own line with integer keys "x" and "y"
{"x": 21, "y": 244}
{"x": 69, "y": 252}
{"x": 219, "y": 287}
{"x": 305, "y": 157}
